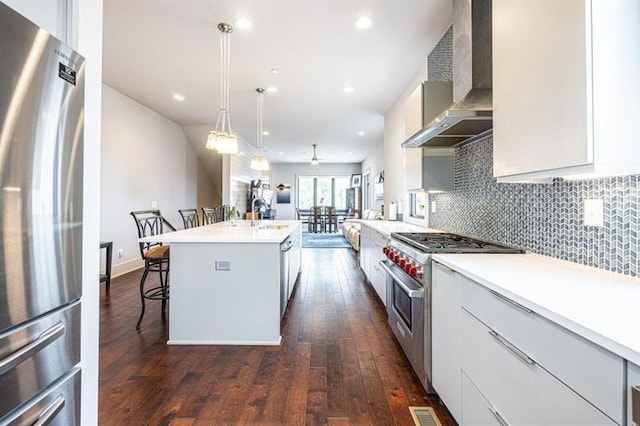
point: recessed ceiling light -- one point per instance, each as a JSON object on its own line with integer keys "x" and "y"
{"x": 348, "y": 89}
{"x": 272, "y": 89}
{"x": 281, "y": 153}
{"x": 363, "y": 22}
{"x": 275, "y": 70}
{"x": 242, "y": 24}
{"x": 265, "y": 132}
{"x": 178, "y": 97}
{"x": 360, "y": 133}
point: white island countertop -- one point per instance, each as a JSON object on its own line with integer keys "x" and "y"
{"x": 599, "y": 305}
{"x": 268, "y": 231}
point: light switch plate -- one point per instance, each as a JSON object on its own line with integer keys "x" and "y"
{"x": 593, "y": 212}
{"x": 433, "y": 207}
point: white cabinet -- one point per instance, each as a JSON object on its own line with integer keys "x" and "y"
{"x": 633, "y": 380}
{"x": 563, "y": 354}
{"x": 295, "y": 258}
{"x": 566, "y": 90}
{"x": 365, "y": 249}
{"x": 371, "y": 244}
{"x": 378, "y": 277}
{"x": 446, "y": 338}
{"x": 515, "y": 385}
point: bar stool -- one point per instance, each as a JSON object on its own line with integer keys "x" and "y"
{"x": 190, "y": 218}
{"x": 155, "y": 256}
{"x": 106, "y": 277}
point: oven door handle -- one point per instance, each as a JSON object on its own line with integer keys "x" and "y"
{"x": 412, "y": 293}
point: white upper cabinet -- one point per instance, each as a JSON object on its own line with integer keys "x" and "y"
{"x": 566, "y": 88}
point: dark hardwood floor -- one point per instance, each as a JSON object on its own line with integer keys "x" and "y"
{"x": 338, "y": 363}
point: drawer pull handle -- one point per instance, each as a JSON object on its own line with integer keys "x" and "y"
{"x": 45, "y": 339}
{"x": 511, "y": 302}
{"x": 504, "y": 342}
{"x": 498, "y": 417}
{"x": 49, "y": 413}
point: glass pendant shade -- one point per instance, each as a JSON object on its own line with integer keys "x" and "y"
{"x": 314, "y": 159}
{"x": 222, "y": 138}
{"x": 259, "y": 161}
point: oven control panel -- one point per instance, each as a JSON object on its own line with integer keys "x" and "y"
{"x": 412, "y": 267}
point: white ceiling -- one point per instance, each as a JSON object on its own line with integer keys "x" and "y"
{"x": 155, "y": 48}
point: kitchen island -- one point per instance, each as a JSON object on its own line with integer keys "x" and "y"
{"x": 230, "y": 283}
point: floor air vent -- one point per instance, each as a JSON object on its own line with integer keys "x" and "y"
{"x": 424, "y": 416}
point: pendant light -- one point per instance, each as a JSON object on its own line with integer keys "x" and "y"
{"x": 314, "y": 159}
{"x": 222, "y": 138}
{"x": 259, "y": 161}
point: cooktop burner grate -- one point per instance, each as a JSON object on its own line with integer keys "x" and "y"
{"x": 435, "y": 242}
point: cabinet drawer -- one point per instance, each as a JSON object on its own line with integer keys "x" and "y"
{"x": 593, "y": 372}
{"x": 476, "y": 410}
{"x": 633, "y": 400}
{"x": 517, "y": 387}
{"x": 379, "y": 278}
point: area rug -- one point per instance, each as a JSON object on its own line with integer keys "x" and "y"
{"x": 324, "y": 241}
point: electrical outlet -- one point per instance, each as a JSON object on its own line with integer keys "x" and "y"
{"x": 433, "y": 207}
{"x": 223, "y": 265}
{"x": 120, "y": 253}
{"x": 593, "y": 212}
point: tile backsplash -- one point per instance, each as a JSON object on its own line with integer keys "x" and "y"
{"x": 542, "y": 218}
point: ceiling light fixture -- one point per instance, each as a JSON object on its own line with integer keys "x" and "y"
{"x": 314, "y": 159}
{"x": 363, "y": 22}
{"x": 361, "y": 133}
{"x": 348, "y": 89}
{"x": 222, "y": 138}
{"x": 178, "y": 97}
{"x": 275, "y": 70}
{"x": 259, "y": 161}
{"x": 265, "y": 133}
{"x": 272, "y": 89}
{"x": 243, "y": 24}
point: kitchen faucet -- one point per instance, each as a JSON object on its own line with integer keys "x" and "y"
{"x": 253, "y": 210}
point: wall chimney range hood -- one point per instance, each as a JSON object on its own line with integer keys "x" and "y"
{"x": 470, "y": 116}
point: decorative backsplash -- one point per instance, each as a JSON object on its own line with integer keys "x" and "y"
{"x": 440, "y": 60}
{"x": 542, "y": 218}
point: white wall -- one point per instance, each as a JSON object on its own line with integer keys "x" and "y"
{"x": 374, "y": 163}
{"x": 146, "y": 158}
{"x": 394, "y": 156}
{"x": 287, "y": 173}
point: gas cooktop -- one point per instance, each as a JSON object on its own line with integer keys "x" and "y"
{"x": 436, "y": 242}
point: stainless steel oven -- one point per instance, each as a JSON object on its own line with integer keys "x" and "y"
{"x": 408, "y": 271}
{"x": 405, "y": 309}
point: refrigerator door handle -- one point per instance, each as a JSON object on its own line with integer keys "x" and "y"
{"x": 48, "y": 414}
{"x": 45, "y": 339}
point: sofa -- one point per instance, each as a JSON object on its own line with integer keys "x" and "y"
{"x": 351, "y": 227}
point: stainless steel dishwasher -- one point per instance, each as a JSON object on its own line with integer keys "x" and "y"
{"x": 285, "y": 247}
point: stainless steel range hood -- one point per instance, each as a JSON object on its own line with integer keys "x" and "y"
{"x": 471, "y": 114}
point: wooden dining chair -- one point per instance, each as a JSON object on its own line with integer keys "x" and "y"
{"x": 155, "y": 256}
{"x": 190, "y": 218}
{"x": 331, "y": 219}
{"x": 316, "y": 223}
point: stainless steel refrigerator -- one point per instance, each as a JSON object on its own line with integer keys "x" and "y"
{"x": 41, "y": 149}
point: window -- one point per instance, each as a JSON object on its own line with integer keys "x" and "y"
{"x": 322, "y": 191}
{"x": 418, "y": 204}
